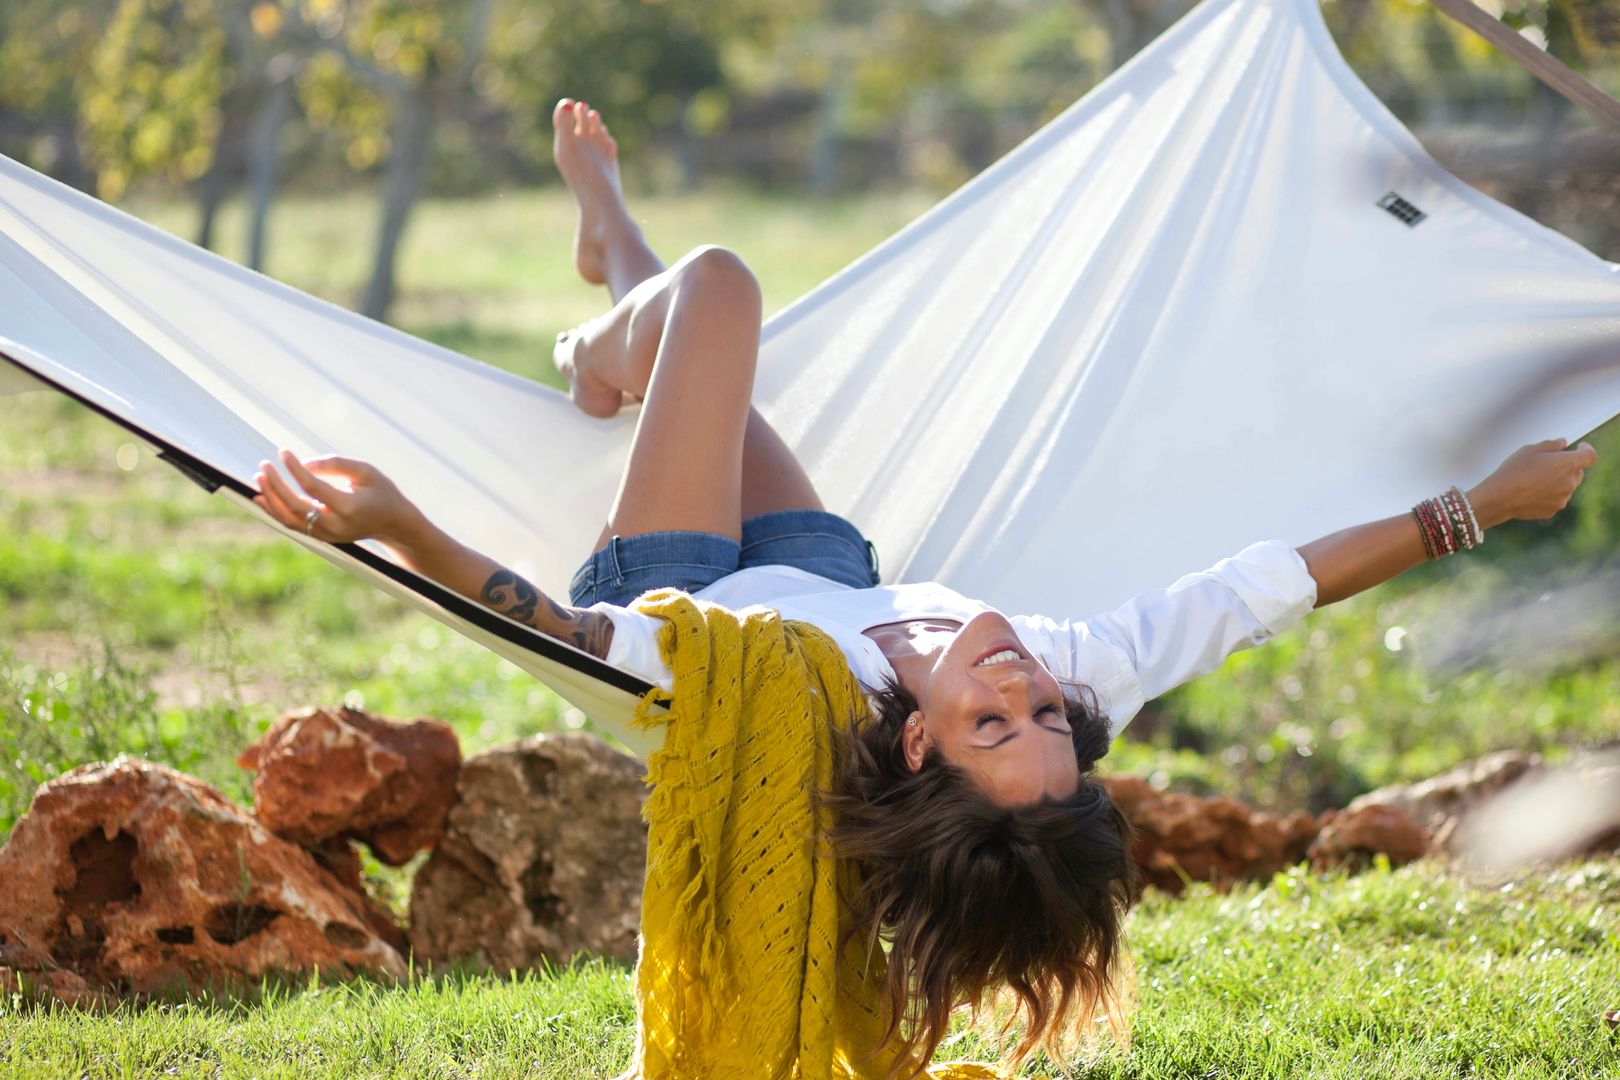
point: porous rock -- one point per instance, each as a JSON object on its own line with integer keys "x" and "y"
{"x": 327, "y": 774}
{"x": 1182, "y": 838}
{"x": 542, "y": 858}
{"x": 131, "y": 877}
{"x": 1352, "y": 837}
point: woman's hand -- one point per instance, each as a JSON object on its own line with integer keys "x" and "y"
{"x": 362, "y": 504}
{"x": 1533, "y": 484}
{"x": 366, "y": 504}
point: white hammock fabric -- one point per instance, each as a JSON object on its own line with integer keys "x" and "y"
{"x": 1175, "y": 320}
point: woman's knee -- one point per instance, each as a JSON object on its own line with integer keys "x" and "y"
{"x": 720, "y": 271}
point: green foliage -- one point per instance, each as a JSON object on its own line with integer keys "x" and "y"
{"x": 151, "y": 98}
{"x": 44, "y": 49}
{"x": 104, "y": 706}
{"x": 642, "y": 65}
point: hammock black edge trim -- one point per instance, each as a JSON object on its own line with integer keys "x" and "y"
{"x": 212, "y": 479}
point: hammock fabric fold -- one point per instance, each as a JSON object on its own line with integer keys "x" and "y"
{"x": 741, "y": 974}
{"x": 1225, "y": 296}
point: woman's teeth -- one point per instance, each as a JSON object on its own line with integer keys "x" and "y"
{"x": 999, "y": 658}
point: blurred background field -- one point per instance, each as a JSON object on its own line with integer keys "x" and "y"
{"x": 393, "y": 156}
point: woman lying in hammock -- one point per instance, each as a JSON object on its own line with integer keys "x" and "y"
{"x": 992, "y": 857}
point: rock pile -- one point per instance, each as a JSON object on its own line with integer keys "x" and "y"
{"x": 542, "y": 858}
{"x": 130, "y": 877}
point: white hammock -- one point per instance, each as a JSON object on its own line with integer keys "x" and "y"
{"x": 1195, "y": 310}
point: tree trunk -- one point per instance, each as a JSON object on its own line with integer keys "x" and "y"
{"x": 829, "y": 139}
{"x": 215, "y": 185}
{"x": 686, "y": 148}
{"x": 1132, "y": 24}
{"x": 412, "y": 137}
{"x": 263, "y": 156}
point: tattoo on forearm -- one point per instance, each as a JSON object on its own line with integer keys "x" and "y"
{"x": 512, "y": 596}
{"x": 592, "y": 632}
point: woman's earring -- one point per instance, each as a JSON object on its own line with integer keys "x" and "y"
{"x": 911, "y": 722}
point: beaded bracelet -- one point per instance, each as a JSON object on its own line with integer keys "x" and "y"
{"x": 1423, "y": 531}
{"x": 1434, "y": 536}
{"x": 1462, "y": 514}
{"x": 1447, "y": 524}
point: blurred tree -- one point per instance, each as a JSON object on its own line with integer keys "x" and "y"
{"x": 256, "y": 101}
{"x": 647, "y": 65}
{"x": 45, "y": 48}
{"x": 388, "y": 71}
{"x": 1133, "y": 23}
{"x": 151, "y": 94}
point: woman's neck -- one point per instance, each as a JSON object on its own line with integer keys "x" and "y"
{"x": 912, "y": 646}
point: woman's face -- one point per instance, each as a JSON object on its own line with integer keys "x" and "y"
{"x": 994, "y": 711}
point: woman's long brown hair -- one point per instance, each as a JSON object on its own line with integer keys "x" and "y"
{"x": 976, "y": 899}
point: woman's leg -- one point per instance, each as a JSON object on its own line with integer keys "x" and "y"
{"x": 700, "y": 301}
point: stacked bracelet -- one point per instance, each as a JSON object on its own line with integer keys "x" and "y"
{"x": 1448, "y": 524}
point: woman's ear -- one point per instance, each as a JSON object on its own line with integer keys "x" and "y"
{"x": 913, "y": 742}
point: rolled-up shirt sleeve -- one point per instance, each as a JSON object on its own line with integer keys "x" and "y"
{"x": 1156, "y": 641}
{"x": 635, "y": 645}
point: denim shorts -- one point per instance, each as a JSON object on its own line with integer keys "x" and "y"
{"x": 811, "y": 540}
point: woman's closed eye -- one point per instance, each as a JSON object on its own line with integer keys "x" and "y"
{"x": 993, "y": 718}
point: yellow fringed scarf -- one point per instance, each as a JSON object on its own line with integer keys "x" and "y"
{"x": 740, "y": 973}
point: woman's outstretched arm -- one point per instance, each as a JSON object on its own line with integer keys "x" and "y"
{"x": 1534, "y": 483}
{"x": 372, "y": 507}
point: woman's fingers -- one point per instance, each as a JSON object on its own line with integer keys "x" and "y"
{"x": 273, "y": 512}
{"x": 347, "y": 468}
{"x": 274, "y": 506}
{"x": 283, "y": 504}
{"x": 283, "y": 492}
{"x": 1584, "y": 455}
{"x": 311, "y": 483}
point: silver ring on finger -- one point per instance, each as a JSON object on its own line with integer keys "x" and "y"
{"x": 311, "y": 518}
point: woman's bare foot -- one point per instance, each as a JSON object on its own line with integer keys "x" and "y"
{"x": 572, "y": 357}
{"x": 588, "y": 158}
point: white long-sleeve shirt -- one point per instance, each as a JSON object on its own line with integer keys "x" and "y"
{"x": 1128, "y": 656}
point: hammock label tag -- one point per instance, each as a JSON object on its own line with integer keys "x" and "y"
{"x": 1401, "y": 209}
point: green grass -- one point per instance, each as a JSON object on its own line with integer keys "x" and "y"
{"x": 137, "y": 614}
{"x": 1413, "y": 973}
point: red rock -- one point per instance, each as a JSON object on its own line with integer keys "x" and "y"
{"x": 1352, "y": 837}
{"x": 328, "y": 774}
{"x": 1182, "y": 838}
{"x": 542, "y": 858}
{"x": 131, "y": 877}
